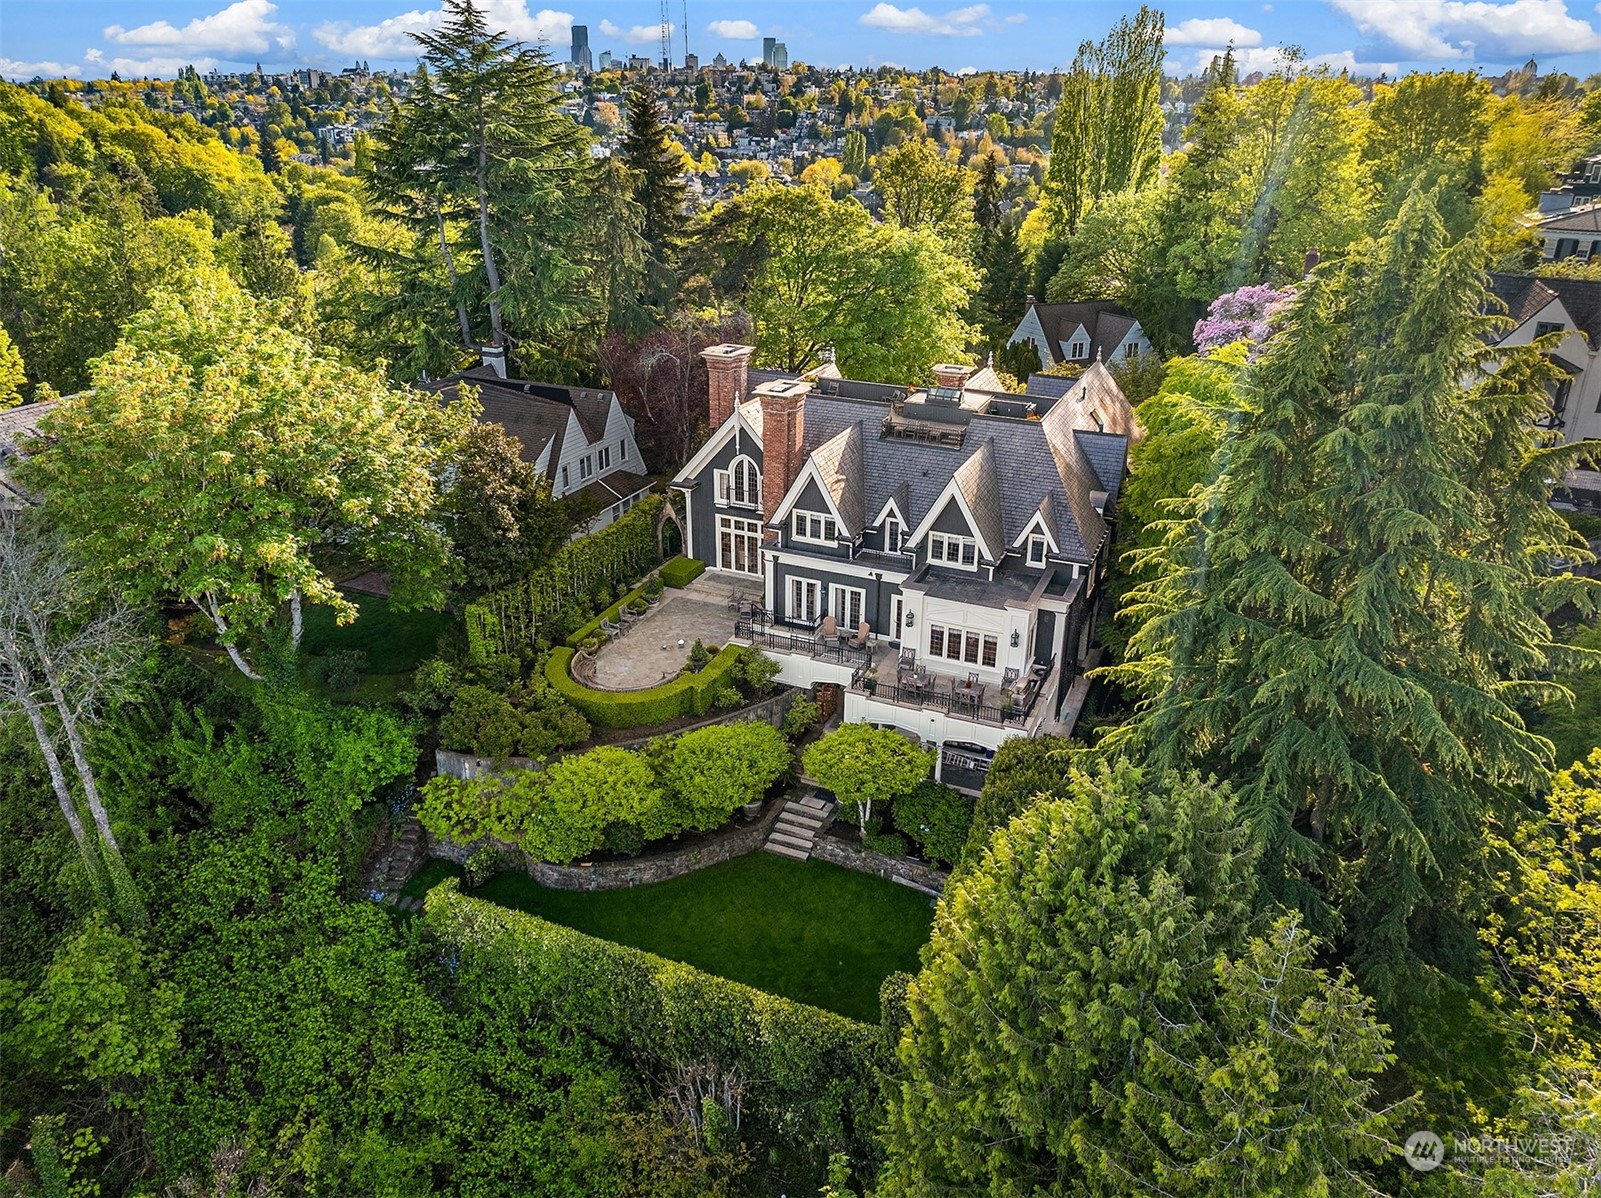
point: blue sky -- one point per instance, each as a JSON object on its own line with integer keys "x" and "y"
{"x": 137, "y": 37}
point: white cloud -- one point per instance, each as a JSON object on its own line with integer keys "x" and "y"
{"x": 1017, "y": 18}
{"x": 1249, "y": 59}
{"x": 1462, "y": 29}
{"x": 389, "y": 37}
{"x": 245, "y": 27}
{"x": 959, "y": 22}
{"x": 10, "y": 68}
{"x": 636, "y": 35}
{"x": 1212, "y": 31}
{"x": 739, "y": 31}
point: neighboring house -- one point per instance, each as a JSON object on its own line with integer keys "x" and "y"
{"x": 1572, "y": 308}
{"x": 578, "y": 437}
{"x": 967, "y": 527}
{"x": 17, "y": 427}
{"x": 1078, "y": 334}
{"x": 1575, "y": 233}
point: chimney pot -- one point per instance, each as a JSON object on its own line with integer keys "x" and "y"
{"x": 494, "y": 357}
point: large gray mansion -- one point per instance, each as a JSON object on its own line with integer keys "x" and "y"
{"x": 937, "y": 554}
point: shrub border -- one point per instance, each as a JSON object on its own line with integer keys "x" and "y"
{"x": 611, "y": 613}
{"x": 688, "y": 694}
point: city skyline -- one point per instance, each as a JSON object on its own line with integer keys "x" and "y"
{"x": 158, "y": 37}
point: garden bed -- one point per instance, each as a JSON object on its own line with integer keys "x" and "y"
{"x": 804, "y": 930}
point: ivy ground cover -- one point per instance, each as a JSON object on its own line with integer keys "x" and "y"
{"x": 801, "y": 929}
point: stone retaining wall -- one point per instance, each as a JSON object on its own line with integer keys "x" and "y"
{"x": 640, "y": 871}
{"x": 453, "y": 764}
{"x": 916, "y": 874}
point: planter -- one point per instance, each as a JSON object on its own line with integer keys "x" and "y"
{"x": 751, "y": 810}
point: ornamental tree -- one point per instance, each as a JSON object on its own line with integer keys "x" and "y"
{"x": 220, "y": 460}
{"x": 863, "y": 765}
{"x": 1245, "y": 314}
{"x": 714, "y": 770}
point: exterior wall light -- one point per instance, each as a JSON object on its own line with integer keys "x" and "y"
{"x": 1017, "y": 638}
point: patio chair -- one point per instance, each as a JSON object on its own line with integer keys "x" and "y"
{"x": 972, "y": 678}
{"x": 863, "y": 631}
{"x": 1009, "y": 679}
{"x": 830, "y": 632}
{"x": 609, "y": 628}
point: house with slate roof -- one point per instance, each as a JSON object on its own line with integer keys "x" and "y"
{"x": 578, "y": 437}
{"x": 959, "y": 534}
{"x": 1081, "y": 333}
{"x": 18, "y": 426}
{"x": 1574, "y": 233}
{"x": 1570, "y": 308}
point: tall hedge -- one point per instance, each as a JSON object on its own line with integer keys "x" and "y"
{"x": 810, "y": 1075}
{"x": 509, "y": 619}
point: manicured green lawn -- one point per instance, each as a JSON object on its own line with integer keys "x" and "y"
{"x": 394, "y": 641}
{"x": 803, "y": 929}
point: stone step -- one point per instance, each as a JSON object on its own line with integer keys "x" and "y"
{"x": 786, "y": 851}
{"x": 795, "y": 842}
{"x": 811, "y": 802}
{"x": 805, "y": 821}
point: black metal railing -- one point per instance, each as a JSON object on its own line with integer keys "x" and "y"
{"x": 939, "y": 695}
{"x": 812, "y": 644}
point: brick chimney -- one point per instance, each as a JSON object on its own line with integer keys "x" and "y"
{"x": 783, "y": 431}
{"x": 726, "y": 370}
{"x": 947, "y": 374}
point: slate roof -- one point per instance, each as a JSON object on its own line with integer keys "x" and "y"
{"x": 1007, "y": 466}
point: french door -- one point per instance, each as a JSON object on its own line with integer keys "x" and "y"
{"x": 805, "y": 595}
{"x": 739, "y": 545}
{"x": 846, "y": 603}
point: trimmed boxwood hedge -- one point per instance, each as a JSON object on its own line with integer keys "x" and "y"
{"x": 688, "y": 694}
{"x": 812, "y": 1075}
{"x": 682, "y": 571}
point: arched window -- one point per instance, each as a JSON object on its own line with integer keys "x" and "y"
{"x": 743, "y": 487}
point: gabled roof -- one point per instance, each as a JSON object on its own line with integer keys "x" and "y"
{"x": 976, "y": 480}
{"x": 1106, "y": 322}
{"x": 17, "y": 427}
{"x": 1526, "y": 296}
{"x": 535, "y": 413}
{"x": 838, "y": 466}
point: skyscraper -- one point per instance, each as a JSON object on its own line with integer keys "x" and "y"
{"x": 780, "y": 59}
{"x": 581, "y": 57}
{"x": 767, "y": 50}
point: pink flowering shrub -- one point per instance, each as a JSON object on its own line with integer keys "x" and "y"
{"x": 1243, "y": 315}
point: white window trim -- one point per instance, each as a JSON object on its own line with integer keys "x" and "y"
{"x": 1077, "y": 351}
{"x": 795, "y": 599}
{"x": 723, "y": 483}
{"x": 801, "y": 517}
{"x": 839, "y": 603}
{"x": 736, "y": 526}
{"x": 980, "y": 637}
{"x": 947, "y": 541}
{"x": 1038, "y": 541}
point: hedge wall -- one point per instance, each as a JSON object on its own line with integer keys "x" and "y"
{"x": 593, "y": 627}
{"x": 682, "y": 571}
{"x": 811, "y": 1076}
{"x": 688, "y": 694}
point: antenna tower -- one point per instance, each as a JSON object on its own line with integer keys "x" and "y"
{"x": 686, "y": 32}
{"x": 666, "y": 38}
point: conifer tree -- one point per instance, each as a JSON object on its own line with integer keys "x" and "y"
{"x": 1349, "y": 619}
{"x": 855, "y": 153}
{"x": 658, "y": 172}
{"x": 1097, "y": 1014}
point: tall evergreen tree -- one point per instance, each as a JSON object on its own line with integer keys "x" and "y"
{"x": 483, "y": 118}
{"x": 1349, "y": 619}
{"x": 658, "y": 172}
{"x": 989, "y": 197}
{"x": 1097, "y": 1015}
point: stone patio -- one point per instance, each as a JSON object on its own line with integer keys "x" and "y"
{"x": 657, "y": 645}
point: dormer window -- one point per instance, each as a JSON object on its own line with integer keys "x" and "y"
{"x": 813, "y": 526}
{"x": 605, "y": 457}
{"x": 894, "y": 535}
{"x": 1037, "y": 549}
{"x": 1546, "y": 327}
{"x": 1079, "y": 349}
{"x": 961, "y": 552}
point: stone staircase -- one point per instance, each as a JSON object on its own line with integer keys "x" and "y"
{"x": 798, "y": 826}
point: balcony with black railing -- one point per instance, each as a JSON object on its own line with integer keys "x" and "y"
{"x": 811, "y": 642}
{"x": 1001, "y": 706}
